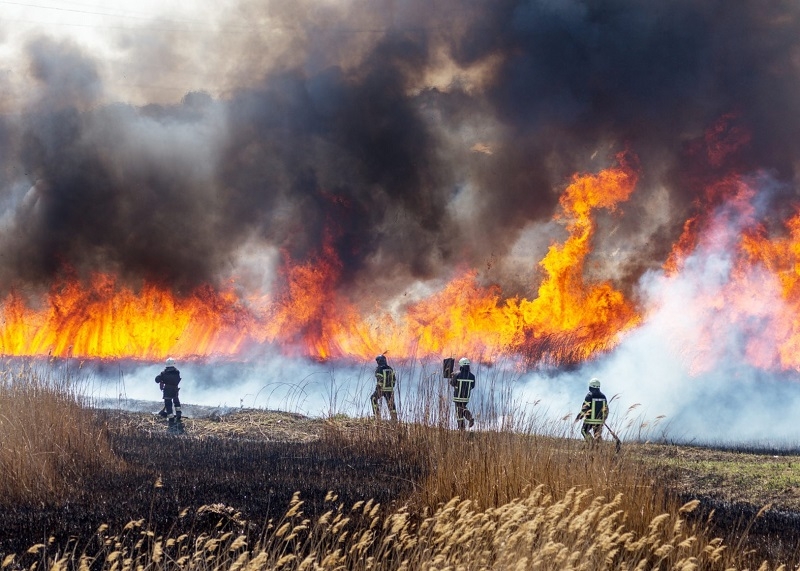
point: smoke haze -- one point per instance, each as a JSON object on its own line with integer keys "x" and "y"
{"x": 416, "y": 139}
{"x": 367, "y": 124}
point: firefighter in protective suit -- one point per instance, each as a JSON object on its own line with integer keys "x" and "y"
{"x": 168, "y": 381}
{"x": 594, "y": 413}
{"x": 385, "y": 381}
{"x": 463, "y": 382}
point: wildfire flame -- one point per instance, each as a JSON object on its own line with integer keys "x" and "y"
{"x": 749, "y": 303}
{"x": 568, "y": 320}
{"x": 105, "y": 320}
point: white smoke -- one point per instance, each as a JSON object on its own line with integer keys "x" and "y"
{"x": 686, "y": 368}
{"x": 273, "y": 382}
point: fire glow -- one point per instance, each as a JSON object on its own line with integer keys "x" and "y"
{"x": 569, "y": 320}
{"x": 756, "y": 304}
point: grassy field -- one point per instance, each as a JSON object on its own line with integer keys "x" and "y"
{"x": 50, "y": 442}
{"x": 257, "y": 489}
{"x": 758, "y": 477}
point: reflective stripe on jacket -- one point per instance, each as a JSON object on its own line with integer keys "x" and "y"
{"x": 385, "y": 378}
{"x": 463, "y": 383}
{"x": 595, "y": 408}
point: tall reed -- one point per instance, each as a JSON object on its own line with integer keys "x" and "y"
{"x": 514, "y": 452}
{"x": 514, "y": 494}
{"x": 574, "y": 531}
{"x": 49, "y": 441}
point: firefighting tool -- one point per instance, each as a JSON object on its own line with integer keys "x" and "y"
{"x": 448, "y": 365}
{"x": 617, "y": 441}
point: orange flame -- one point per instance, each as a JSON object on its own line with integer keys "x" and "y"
{"x": 570, "y": 319}
{"x": 595, "y": 313}
{"x": 771, "y": 269}
{"x": 110, "y": 321}
{"x": 754, "y": 310}
{"x": 465, "y": 317}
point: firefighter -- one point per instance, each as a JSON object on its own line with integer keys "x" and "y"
{"x": 168, "y": 381}
{"x": 385, "y": 381}
{"x": 594, "y": 413}
{"x": 463, "y": 382}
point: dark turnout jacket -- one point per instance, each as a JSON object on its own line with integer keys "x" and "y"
{"x": 168, "y": 380}
{"x": 595, "y": 408}
{"x": 463, "y": 382}
{"x": 385, "y": 378}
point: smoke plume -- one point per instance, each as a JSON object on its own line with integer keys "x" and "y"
{"x": 413, "y": 137}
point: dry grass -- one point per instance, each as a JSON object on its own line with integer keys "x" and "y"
{"x": 48, "y": 440}
{"x": 514, "y": 452}
{"x": 244, "y": 424}
{"x": 574, "y": 531}
{"x": 511, "y": 496}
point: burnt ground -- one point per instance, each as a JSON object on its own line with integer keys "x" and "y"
{"x": 747, "y": 495}
{"x": 252, "y": 462}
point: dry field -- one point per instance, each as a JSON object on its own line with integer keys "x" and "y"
{"x": 108, "y": 489}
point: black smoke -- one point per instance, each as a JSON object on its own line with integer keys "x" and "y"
{"x": 413, "y": 138}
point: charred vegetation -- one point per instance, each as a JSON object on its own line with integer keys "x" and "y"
{"x": 160, "y": 475}
{"x": 266, "y": 485}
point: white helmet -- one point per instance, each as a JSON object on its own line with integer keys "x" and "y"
{"x": 463, "y": 361}
{"x": 170, "y": 362}
{"x": 594, "y": 383}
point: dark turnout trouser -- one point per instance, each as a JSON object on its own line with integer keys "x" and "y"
{"x": 462, "y": 414}
{"x": 376, "y": 402}
{"x": 588, "y": 428}
{"x": 170, "y": 399}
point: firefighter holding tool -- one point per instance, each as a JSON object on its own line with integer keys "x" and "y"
{"x": 594, "y": 413}
{"x": 385, "y": 381}
{"x": 463, "y": 383}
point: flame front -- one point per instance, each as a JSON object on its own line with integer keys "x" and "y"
{"x": 589, "y": 317}
{"x": 745, "y": 284}
{"x": 772, "y": 268}
{"x": 569, "y": 320}
{"x": 105, "y": 320}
